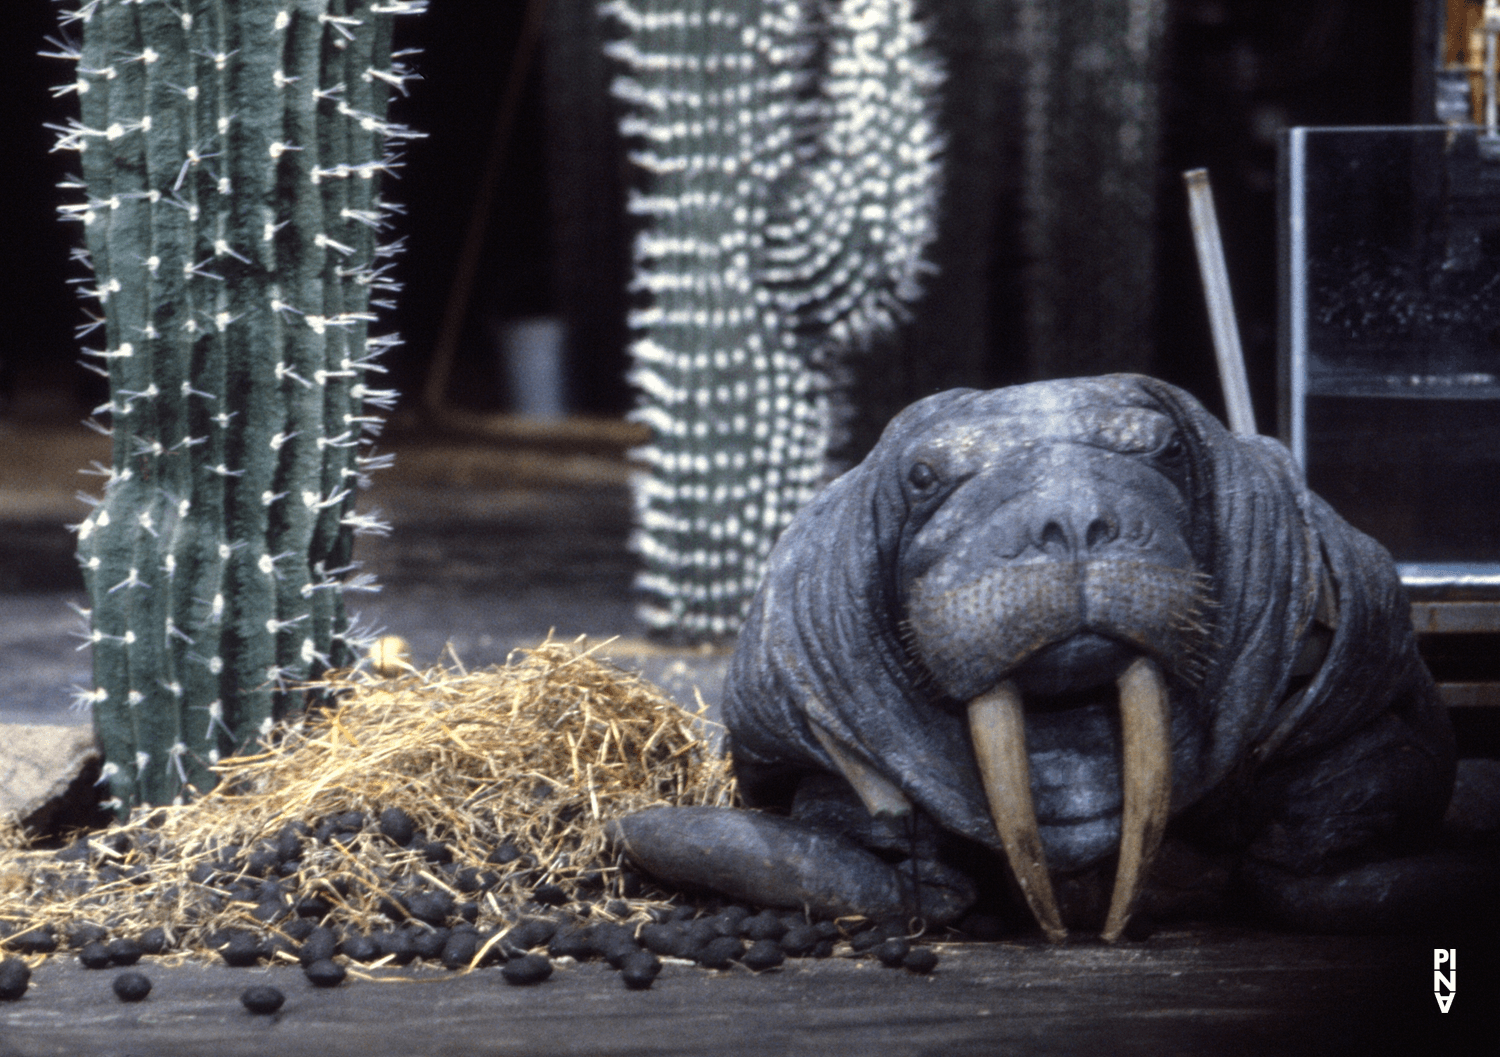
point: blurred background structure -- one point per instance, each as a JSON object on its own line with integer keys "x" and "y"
{"x": 1064, "y": 249}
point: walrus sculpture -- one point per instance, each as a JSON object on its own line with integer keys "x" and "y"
{"x": 1046, "y": 625}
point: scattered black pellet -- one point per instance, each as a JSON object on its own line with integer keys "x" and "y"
{"x": 591, "y": 881}
{"x": 619, "y": 949}
{"x": 460, "y": 949}
{"x": 571, "y": 942}
{"x": 668, "y": 940}
{"x": 527, "y": 934}
{"x": 243, "y": 894}
{"x": 725, "y": 924}
{"x": 289, "y": 841}
{"x": 893, "y": 951}
{"x": 867, "y": 940}
{"x": 239, "y": 948}
{"x": 697, "y": 934}
{"x": 682, "y": 913}
{"x": 799, "y": 941}
{"x": 154, "y": 941}
{"x": 822, "y": 949}
{"x": 825, "y": 930}
{"x": 94, "y": 956}
{"x": 40, "y": 940}
{"x": 718, "y": 953}
{"x": 131, "y": 986}
{"x": 504, "y": 853}
{"x": 80, "y": 936}
{"x": 638, "y": 970}
{"x": 763, "y": 926}
{"x": 313, "y": 906}
{"x": 320, "y": 945}
{"x": 360, "y": 948}
{"x": 532, "y": 969}
{"x": 262, "y": 998}
{"x": 549, "y": 895}
{"x": 201, "y": 874}
{"x": 431, "y": 907}
{"x": 262, "y": 860}
{"x": 324, "y": 973}
{"x": 396, "y": 944}
{"x": 290, "y": 868}
{"x": 437, "y": 852}
{"x": 763, "y": 955}
{"x": 468, "y": 911}
{"x": 269, "y": 911}
{"x": 737, "y": 914}
{"x": 398, "y": 825}
{"x": 350, "y": 821}
{"x": 468, "y": 880}
{"x": 922, "y": 960}
{"x": 123, "y": 951}
{"x": 325, "y": 831}
{"x": 299, "y": 929}
{"x": 428, "y": 944}
{"x": 15, "y": 975}
{"x": 78, "y": 851}
{"x": 345, "y": 837}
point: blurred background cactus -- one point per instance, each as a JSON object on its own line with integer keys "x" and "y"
{"x": 232, "y": 155}
{"x": 789, "y": 184}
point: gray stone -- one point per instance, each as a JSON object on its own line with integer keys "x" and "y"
{"x": 46, "y": 773}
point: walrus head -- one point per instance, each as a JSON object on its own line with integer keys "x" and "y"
{"x": 1049, "y": 587}
{"x": 1051, "y": 615}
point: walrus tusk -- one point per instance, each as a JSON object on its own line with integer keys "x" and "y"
{"x": 997, "y": 727}
{"x": 880, "y": 796}
{"x": 1147, "y": 773}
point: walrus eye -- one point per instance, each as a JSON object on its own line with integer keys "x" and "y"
{"x": 1172, "y": 450}
{"x": 922, "y": 476}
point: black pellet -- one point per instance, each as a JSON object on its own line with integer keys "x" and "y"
{"x": 921, "y": 961}
{"x": 431, "y": 907}
{"x": 571, "y": 942}
{"x": 725, "y": 924}
{"x": 298, "y": 929}
{"x": 799, "y": 941}
{"x": 360, "y": 948}
{"x": 638, "y": 970}
{"x": 527, "y": 934}
{"x": 290, "y": 868}
{"x": 532, "y": 969}
{"x": 822, "y": 949}
{"x": 460, "y": 949}
{"x": 350, "y": 821}
{"x": 325, "y": 973}
{"x": 78, "y": 851}
{"x": 504, "y": 853}
{"x": 398, "y": 825}
{"x": 697, "y": 934}
{"x": 94, "y": 956}
{"x": 131, "y": 986}
{"x": 396, "y": 944}
{"x": 123, "y": 951}
{"x": 667, "y": 940}
{"x": 763, "y": 955}
{"x": 344, "y": 838}
{"x": 892, "y": 952}
{"x": 428, "y": 944}
{"x": 320, "y": 945}
{"x": 262, "y": 860}
{"x": 620, "y": 948}
{"x": 869, "y": 939}
{"x": 682, "y": 913}
{"x": 736, "y": 914}
{"x": 549, "y": 895}
{"x": 718, "y": 953}
{"x": 468, "y": 880}
{"x": 313, "y": 906}
{"x": 201, "y": 874}
{"x": 80, "y": 936}
{"x": 40, "y": 940}
{"x": 468, "y": 911}
{"x": 825, "y": 930}
{"x": 239, "y": 948}
{"x": 763, "y": 926}
{"x": 154, "y": 941}
{"x": 15, "y": 976}
{"x": 262, "y": 998}
{"x": 269, "y": 912}
{"x": 289, "y": 842}
{"x": 437, "y": 852}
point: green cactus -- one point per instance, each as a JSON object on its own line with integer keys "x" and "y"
{"x": 231, "y": 152}
{"x": 788, "y": 154}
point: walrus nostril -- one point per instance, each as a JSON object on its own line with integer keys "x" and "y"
{"x": 1101, "y": 530}
{"x": 1054, "y": 538}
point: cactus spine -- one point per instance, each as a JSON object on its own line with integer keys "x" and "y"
{"x": 788, "y": 151}
{"x": 231, "y": 153}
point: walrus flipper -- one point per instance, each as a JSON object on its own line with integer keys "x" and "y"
{"x": 770, "y": 861}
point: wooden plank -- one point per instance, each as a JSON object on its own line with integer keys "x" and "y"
{"x": 1455, "y": 618}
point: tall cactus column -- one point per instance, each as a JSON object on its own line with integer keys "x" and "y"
{"x": 231, "y": 154}
{"x": 788, "y": 158}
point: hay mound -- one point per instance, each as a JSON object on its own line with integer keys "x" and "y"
{"x": 534, "y": 755}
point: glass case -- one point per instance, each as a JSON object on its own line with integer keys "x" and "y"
{"x": 1390, "y": 343}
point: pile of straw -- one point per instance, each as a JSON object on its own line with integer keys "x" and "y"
{"x": 538, "y": 753}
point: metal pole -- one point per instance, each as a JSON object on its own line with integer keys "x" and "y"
{"x": 1215, "y": 275}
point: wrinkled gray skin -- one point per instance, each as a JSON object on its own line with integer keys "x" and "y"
{"x": 1050, "y": 534}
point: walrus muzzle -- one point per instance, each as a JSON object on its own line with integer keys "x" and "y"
{"x": 1155, "y": 611}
